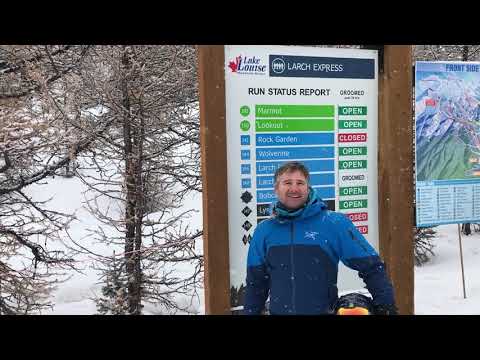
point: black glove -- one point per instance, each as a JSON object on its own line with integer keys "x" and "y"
{"x": 385, "y": 309}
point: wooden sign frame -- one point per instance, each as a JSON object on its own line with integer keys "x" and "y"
{"x": 395, "y": 174}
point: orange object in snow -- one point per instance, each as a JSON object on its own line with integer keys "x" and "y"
{"x": 354, "y": 304}
{"x": 353, "y": 311}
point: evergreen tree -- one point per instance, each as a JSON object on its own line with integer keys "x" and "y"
{"x": 114, "y": 291}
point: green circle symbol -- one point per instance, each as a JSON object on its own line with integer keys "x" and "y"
{"x": 244, "y": 110}
{"x": 244, "y": 125}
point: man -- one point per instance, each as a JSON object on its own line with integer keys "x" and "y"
{"x": 293, "y": 257}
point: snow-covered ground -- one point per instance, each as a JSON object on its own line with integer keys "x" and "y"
{"x": 438, "y": 284}
{"x": 76, "y": 295}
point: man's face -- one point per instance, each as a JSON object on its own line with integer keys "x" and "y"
{"x": 292, "y": 189}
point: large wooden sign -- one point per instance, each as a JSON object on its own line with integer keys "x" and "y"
{"x": 326, "y": 102}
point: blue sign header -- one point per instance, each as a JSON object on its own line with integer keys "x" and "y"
{"x": 321, "y": 67}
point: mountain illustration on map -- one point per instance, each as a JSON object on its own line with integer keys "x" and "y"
{"x": 447, "y": 109}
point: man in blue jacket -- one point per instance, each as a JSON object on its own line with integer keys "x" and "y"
{"x": 293, "y": 257}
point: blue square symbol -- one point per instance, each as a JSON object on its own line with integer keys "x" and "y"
{"x": 245, "y": 139}
{"x": 245, "y": 154}
{"x": 245, "y": 168}
{"x": 246, "y": 183}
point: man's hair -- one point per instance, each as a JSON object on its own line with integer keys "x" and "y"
{"x": 290, "y": 167}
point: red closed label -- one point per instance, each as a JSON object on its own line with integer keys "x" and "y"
{"x": 352, "y": 137}
{"x": 362, "y": 216}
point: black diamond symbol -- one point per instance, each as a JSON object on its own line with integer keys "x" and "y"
{"x": 246, "y": 197}
{"x": 246, "y": 225}
{"x": 246, "y": 239}
{"x": 246, "y": 211}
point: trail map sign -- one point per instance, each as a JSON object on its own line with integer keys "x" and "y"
{"x": 447, "y": 114}
{"x": 314, "y": 105}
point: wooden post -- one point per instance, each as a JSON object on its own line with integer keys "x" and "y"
{"x": 395, "y": 172}
{"x": 211, "y": 74}
{"x": 461, "y": 260}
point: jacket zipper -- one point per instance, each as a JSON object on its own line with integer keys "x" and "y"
{"x": 292, "y": 266}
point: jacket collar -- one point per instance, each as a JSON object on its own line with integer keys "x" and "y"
{"x": 312, "y": 206}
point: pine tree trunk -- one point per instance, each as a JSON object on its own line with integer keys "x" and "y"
{"x": 139, "y": 208}
{"x": 132, "y": 286}
{"x": 465, "y": 51}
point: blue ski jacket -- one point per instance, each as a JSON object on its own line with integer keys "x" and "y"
{"x": 294, "y": 260}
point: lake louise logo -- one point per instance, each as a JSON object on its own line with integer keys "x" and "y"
{"x": 247, "y": 65}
